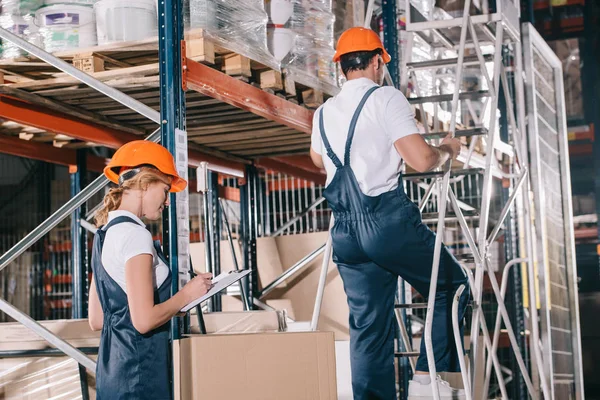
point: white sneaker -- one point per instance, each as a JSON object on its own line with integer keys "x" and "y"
{"x": 418, "y": 391}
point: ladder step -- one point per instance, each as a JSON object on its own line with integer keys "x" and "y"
{"x": 465, "y": 258}
{"x": 447, "y": 62}
{"x": 407, "y": 354}
{"x": 411, "y": 305}
{"x": 448, "y": 97}
{"x": 430, "y": 218}
{"x": 458, "y": 133}
{"x": 453, "y": 173}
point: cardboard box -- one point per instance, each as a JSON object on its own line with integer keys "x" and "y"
{"x": 241, "y": 322}
{"x": 77, "y": 332}
{"x": 261, "y": 366}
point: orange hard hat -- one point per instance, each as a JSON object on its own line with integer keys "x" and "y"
{"x": 359, "y": 39}
{"x": 142, "y": 152}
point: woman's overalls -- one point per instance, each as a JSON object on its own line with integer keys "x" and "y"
{"x": 375, "y": 240}
{"x": 130, "y": 365}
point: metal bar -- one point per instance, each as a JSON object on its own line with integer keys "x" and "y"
{"x": 451, "y": 23}
{"x": 445, "y": 62}
{"x": 292, "y": 270}
{"x": 507, "y": 207}
{"x": 486, "y": 333}
{"x": 442, "y": 199}
{"x": 245, "y": 297}
{"x": 459, "y": 345}
{"x": 476, "y": 289}
{"x": 314, "y": 324}
{"x": 52, "y": 221}
{"x": 85, "y": 391}
{"x": 405, "y": 338}
{"x": 487, "y": 188}
{"x": 439, "y": 98}
{"x": 497, "y": 325}
{"x": 427, "y": 195}
{"x": 215, "y": 232}
{"x": 511, "y": 334}
{"x": 81, "y": 76}
{"x": 79, "y": 253}
{"x": 45, "y": 334}
{"x": 298, "y": 217}
{"x": 49, "y": 352}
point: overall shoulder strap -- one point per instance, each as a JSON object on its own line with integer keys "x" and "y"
{"x": 352, "y": 127}
{"x": 118, "y": 220}
{"x": 330, "y": 153}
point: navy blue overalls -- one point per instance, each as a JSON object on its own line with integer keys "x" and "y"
{"x": 375, "y": 240}
{"x": 130, "y": 365}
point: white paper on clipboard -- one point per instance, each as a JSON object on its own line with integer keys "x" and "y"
{"x": 219, "y": 283}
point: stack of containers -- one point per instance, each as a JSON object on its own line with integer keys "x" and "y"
{"x": 310, "y": 59}
{"x": 121, "y": 21}
{"x": 66, "y": 24}
{"x": 280, "y": 38}
{"x": 237, "y": 25}
{"x": 16, "y": 16}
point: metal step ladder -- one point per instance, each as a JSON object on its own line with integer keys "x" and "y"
{"x": 436, "y": 54}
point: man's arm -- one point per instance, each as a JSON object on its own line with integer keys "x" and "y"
{"x": 316, "y": 158}
{"x": 424, "y": 157}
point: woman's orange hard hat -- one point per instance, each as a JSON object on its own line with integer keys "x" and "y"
{"x": 142, "y": 152}
{"x": 359, "y": 39}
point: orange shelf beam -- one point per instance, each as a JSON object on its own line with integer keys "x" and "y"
{"x": 47, "y": 153}
{"x": 42, "y": 118}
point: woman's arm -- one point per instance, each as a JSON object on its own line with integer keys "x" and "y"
{"x": 145, "y": 315}
{"x": 95, "y": 313}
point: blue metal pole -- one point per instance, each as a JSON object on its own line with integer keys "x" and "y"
{"x": 172, "y": 115}
{"x": 391, "y": 38}
{"x": 79, "y": 250}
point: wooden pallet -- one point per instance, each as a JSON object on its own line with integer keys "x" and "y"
{"x": 132, "y": 67}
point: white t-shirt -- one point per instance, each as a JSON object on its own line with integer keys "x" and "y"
{"x": 127, "y": 240}
{"x": 385, "y": 118}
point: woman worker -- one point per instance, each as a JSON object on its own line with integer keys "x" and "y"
{"x": 130, "y": 295}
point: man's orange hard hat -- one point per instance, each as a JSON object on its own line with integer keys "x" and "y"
{"x": 142, "y": 152}
{"x": 359, "y": 39}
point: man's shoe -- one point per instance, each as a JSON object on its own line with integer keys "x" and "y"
{"x": 418, "y": 391}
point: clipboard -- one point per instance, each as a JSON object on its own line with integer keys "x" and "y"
{"x": 221, "y": 282}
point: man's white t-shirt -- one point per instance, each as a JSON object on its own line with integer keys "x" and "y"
{"x": 125, "y": 241}
{"x": 385, "y": 118}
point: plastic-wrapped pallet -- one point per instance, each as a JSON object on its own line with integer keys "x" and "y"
{"x": 16, "y": 16}
{"x": 237, "y": 25}
{"x": 310, "y": 59}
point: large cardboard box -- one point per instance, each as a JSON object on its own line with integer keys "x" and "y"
{"x": 257, "y": 366}
{"x": 77, "y": 332}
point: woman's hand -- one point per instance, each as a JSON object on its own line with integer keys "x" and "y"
{"x": 198, "y": 286}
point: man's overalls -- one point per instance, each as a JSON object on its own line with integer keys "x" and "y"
{"x": 130, "y": 365}
{"x": 375, "y": 240}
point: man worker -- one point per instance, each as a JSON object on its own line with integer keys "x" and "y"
{"x": 360, "y": 137}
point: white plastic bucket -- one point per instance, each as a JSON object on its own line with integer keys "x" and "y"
{"x": 118, "y": 20}
{"x": 66, "y": 26}
{"x": 280, "y": 41}
{"x": 88, "y": 3}
{"x": 279, "y": 11}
